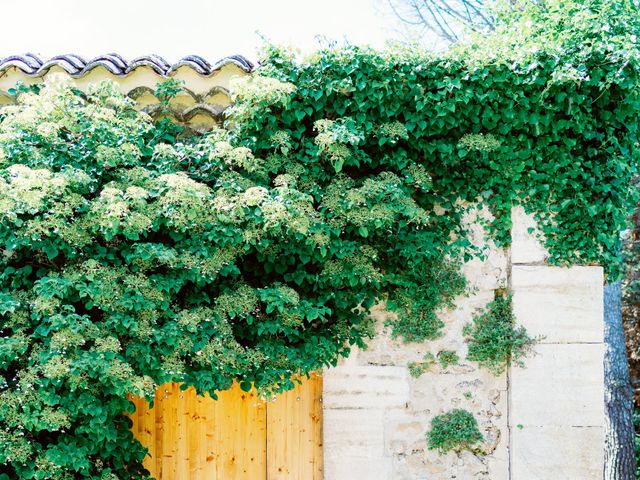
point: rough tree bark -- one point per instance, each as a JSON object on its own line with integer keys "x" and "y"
{"x": 619, "y": 451}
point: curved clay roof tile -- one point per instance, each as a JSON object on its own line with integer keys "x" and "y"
{"x": 195, "y": 62}
{"x": 72, "y": 64}
{"x": 156, "y": 62}
{"x": 113, "y": 62}
{"x": 28, "y": 63}
{"x": 77, "y": 66}
{"x": 238, "y": 60}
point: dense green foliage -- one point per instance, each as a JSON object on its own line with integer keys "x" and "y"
{"x": 495, "y": 341}
{"x": 501, "y": 132}
{"x": 454, "y": 430}
{"x": 131, "y": 259}
{"x": 132, "y": 256}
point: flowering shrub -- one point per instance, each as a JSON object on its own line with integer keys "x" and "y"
{"x": 130, "y": 261}
{"x": 131, "y": 257}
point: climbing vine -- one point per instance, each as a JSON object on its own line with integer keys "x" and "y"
{"x": 134, "y": 254}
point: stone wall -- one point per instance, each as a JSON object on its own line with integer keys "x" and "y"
{"x": 556, "y": 412}
{"x": 544, "y": 421}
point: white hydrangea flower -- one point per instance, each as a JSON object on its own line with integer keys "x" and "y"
{"x": 274, "y": 213}
{"x": 259, "y": 88}
{"x": 137, "y": 193}
{"x": 255, "y": 196}
{"x": 48, "y": 129}
{"x": 181, "y": 184}
{"x": 222, "y": 203}
{"x": 110, "y": 193}
{"x": 164, "y": 150}
{"x": 117, "y": 210}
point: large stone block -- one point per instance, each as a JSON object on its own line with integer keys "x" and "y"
{"x": 353, "y": 444}
{"x": 436, "y": 391}
{"x": 487, "y": 274}
{"x": 346, "y": 468}
{"x": 526, "y": 239}
{"x": 561, "y": 386}
{"x": 404, "y": 432}
{"x": 550, "y": 453}
{"x": 365, "y": 387}
{"x": 353, "y": 433}
{"x": 565, "y": 305}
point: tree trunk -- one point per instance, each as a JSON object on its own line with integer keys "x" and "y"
{"x": 619, "y": 451}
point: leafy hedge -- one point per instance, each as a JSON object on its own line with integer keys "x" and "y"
{"x": 134, "y": 254}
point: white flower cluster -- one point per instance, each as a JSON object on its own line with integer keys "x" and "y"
{"x": 479, "y": 142}
{"x": 28, "y": 190}
{"x": 262, "y": 89}
{"x": 240, "y": 157}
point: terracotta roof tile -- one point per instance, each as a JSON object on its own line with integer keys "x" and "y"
{"x": 77, "y": 66}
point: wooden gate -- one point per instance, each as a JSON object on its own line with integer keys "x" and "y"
{"x": 237, "y": 437}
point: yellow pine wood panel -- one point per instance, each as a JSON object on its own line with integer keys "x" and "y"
{"x": 192, "y": 437}
{"x": 239, "y": 432}
{"x": 294, "y": 433}
{"x": 237, "y": 437}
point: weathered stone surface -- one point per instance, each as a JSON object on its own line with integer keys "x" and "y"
{"x": 354, "y": 444}
{"x": 351, "y": 468}
{"x": 498, "y": 464}
{"x": 562, "y": 385}
{"x": 365, "y": 387}
{"x": 526, "y": 245}
{"x": 404, "y": 432}
{"x": 491, "y": 272}
{"x": 487, "y": 274}
{"x": 354, "y": 432}
{"x": 564, "y": 305}
{"x": 377, "y": 415}
{"x": 437, "y": 391}
{"x": 385, "y": 350}
{"x": 549, "y": 453}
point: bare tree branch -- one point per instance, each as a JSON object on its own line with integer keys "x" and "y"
{"x": 446, "y": 18}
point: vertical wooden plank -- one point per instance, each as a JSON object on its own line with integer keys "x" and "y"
{"x": 169, "y": 421}
{"x": 237, "y": 437}
{"x": 149, "y": 440}
{"x": 211, "y": 435}
{"x": 279, "y": 448}
{"x": 181, "y": 459}
{"x": 195, "y": 447}
{"x": 144, "y": 431}
{"x": 255, "y": 421}
{"x": 294, "y": 433}
{"x": 240, "y": 423}
{"x": 158, "y": 417}
{"x": 317, "y": 421}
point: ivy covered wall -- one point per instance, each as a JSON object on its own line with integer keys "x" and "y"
{"x": 138, "y": 252}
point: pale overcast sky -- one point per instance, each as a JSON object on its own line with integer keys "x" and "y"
{"x": 175, "y": 28}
